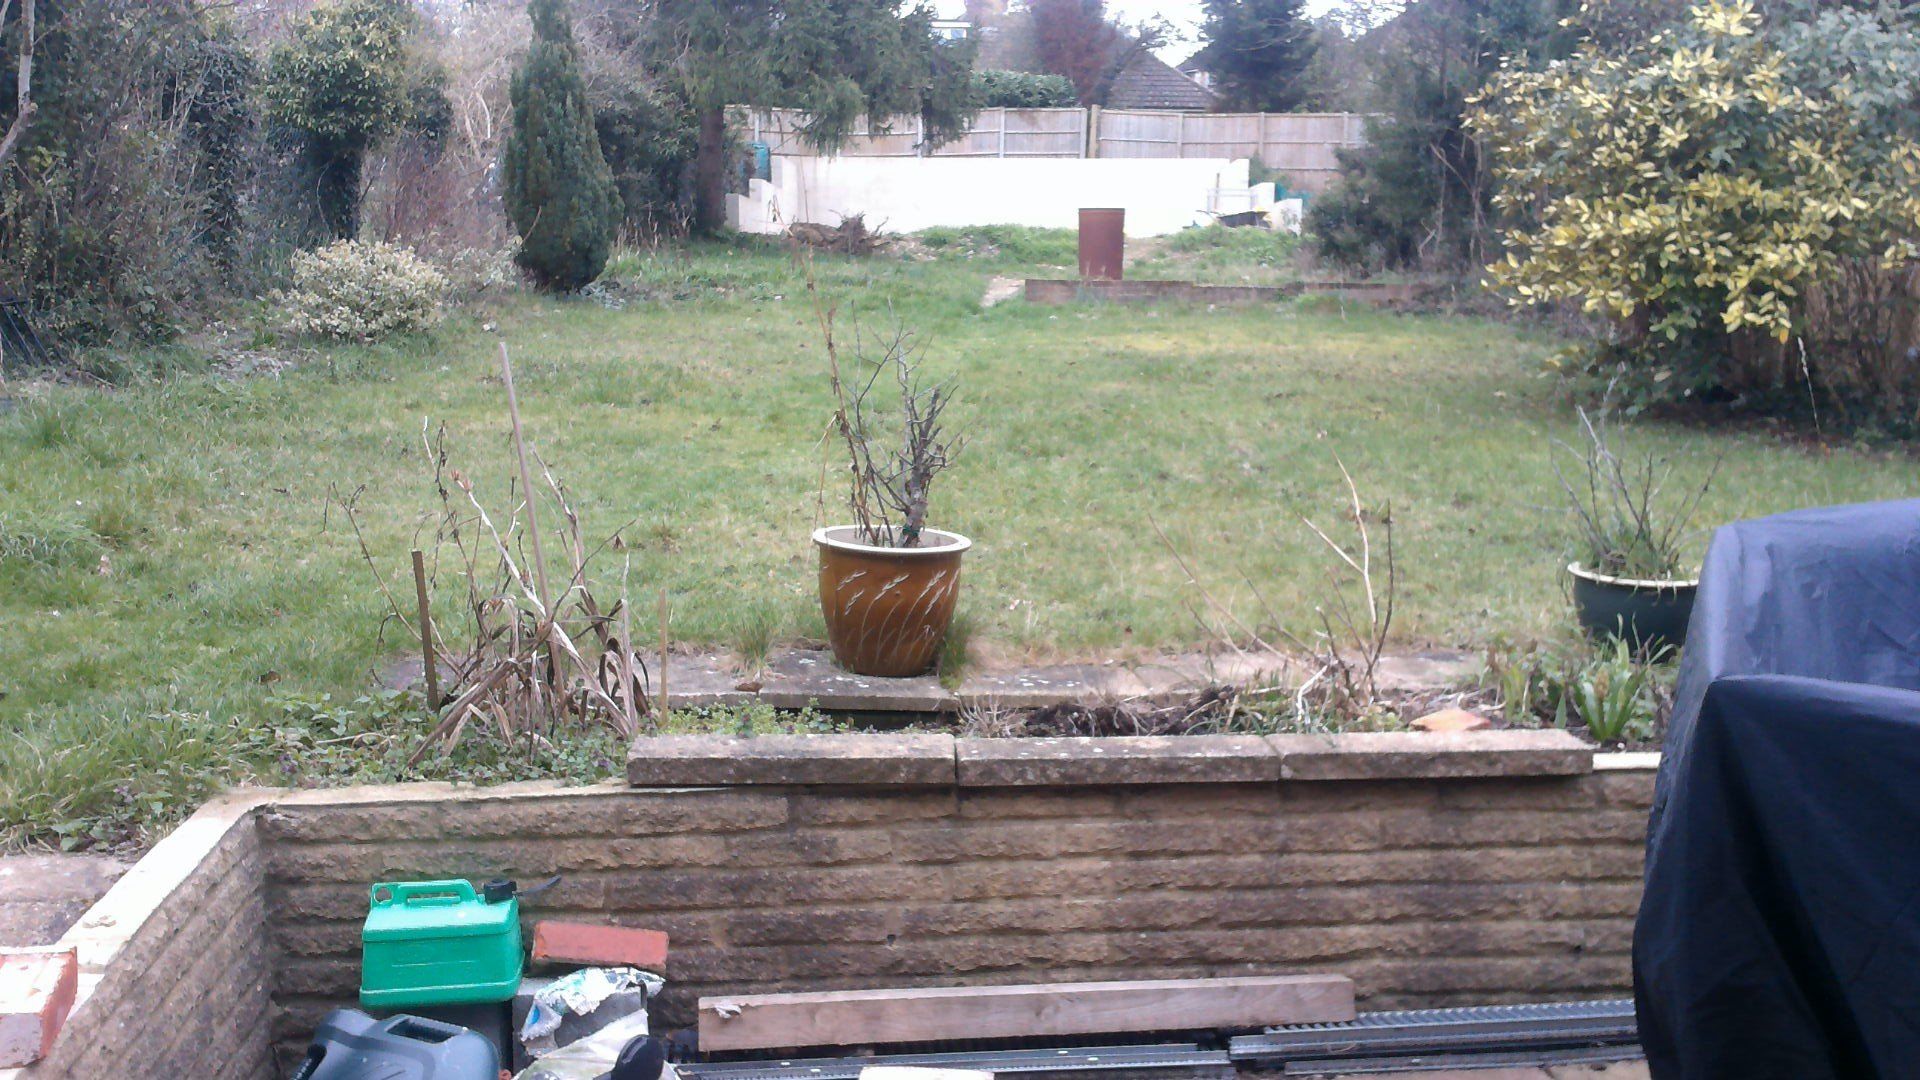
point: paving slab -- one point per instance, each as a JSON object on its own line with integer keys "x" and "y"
{"x": 712, "y": 760}
{"x": 1426, "y": 669}
{"x": 1052, "y": 684}
{"x": 1141, "y": 759}
{"x": 797, "y": 678}
{"x": 699, "y": 680}
{"x": 41, "y": 896}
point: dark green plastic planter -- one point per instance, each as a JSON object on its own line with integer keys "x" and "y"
{"x": 1651, "y": 616}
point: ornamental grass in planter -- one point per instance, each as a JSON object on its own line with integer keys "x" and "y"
{"x": 1629, "y": 578}
{"x": 888, "y": 581}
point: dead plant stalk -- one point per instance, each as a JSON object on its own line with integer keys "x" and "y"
{"x": 530, "y": 659}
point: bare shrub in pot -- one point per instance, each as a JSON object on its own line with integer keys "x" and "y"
{"x": 1631, "y": 526}
{"x": 888, "y": 581}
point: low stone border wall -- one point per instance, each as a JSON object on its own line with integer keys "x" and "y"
{"x": 1058, "y": 291}
{"x": 175, "y": 972}
{"x": 1433, "y": 870}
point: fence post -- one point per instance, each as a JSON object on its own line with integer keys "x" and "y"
{"x": 1090, "y": 116}
{"x": 1003, "y": 132}
{"x": 1180, "y": 135}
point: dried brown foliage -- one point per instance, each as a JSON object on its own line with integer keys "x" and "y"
{"x": 517, "y": 656}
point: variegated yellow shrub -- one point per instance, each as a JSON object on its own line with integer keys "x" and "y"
{"x": 361, "y": 292}
{"x": 1702, "y": 183}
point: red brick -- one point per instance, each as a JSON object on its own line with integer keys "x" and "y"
{"x": 608, "y": 946}
{"x": 36, "y": 992}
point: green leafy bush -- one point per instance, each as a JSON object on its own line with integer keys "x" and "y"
{"x": 648, "y": 138}
{"x": 1417, "y": 195}
{"x": 118, "y": 207}
{"x": 336, "y": 86}
{"x": 1699, "y": 186}
{"x": 1023, "y": 90}
{"x": 1380, "y": 214}
{"x": 362, "y": 292}
{"x": 559, "y": 191}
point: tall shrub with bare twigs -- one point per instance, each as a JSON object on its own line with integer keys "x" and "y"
{"x": 890, "y": 486}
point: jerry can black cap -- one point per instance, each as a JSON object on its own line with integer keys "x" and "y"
{"x": 500, "y": 890}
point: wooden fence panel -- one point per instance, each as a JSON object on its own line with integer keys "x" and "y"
{"x": 1303, "y": 145}
{"x": 1143, "y": 133}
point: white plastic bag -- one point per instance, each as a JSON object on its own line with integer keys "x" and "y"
{"x": 594, "y": 1055}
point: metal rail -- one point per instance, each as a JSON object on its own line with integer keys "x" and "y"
{"x": 1477, "y": 1029}
{"x": 1427, "y": 1063}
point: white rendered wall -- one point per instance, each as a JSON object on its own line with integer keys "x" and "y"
{"x": 1160, "y": 195}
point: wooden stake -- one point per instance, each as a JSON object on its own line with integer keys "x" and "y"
{"x": 533, "y": 520}
{"x": 526, "y": 483}
{"x": 426, "y": 629}
{"x": 628, "y": 687}
{"x": 663, "y": 657}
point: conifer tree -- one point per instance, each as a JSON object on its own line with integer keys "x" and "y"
{"x": 559, "y": 192}
{"x": 1258, "y": 52}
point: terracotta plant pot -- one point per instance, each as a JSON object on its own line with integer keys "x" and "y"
{"x": 1651, "y": 616}
{"x": 888, "y": 608}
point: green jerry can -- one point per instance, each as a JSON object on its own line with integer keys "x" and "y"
{"x": 439, "y": 943}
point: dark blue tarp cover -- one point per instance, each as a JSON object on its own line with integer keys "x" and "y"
{"x": 1780, "y": 931}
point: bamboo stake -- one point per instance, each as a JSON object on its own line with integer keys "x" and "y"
{"x": 628, "y": 687}
{"x": 526, "y": 482}
{"x": 663, "y": 657}
{"x": 426, "y": 629}
{"x": 533, "y": 517}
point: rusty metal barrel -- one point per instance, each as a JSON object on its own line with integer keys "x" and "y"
{"x": 1103, "y": 242}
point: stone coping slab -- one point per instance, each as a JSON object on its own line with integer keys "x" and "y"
{"x": 725, "y": 760}
{"x": 1145, "y": 759}
{"x": 1421, "y": 755}
{"x": 942, "y": 760}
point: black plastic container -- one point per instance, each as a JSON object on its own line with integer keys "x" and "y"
{"x": 350, "y": 1045}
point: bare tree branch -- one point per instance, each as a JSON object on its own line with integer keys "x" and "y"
{"x": 23, "y": 82}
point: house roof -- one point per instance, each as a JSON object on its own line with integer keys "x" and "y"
{"x": 1147, "y": 82}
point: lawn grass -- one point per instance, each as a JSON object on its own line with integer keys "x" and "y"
{"x": 169, "y": 563}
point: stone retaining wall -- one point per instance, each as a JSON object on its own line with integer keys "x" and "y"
{"x": 1432, "y": 870}
{"x": 175, "y": 964}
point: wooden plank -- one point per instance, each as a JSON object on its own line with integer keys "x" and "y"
{"x": 936, "y": 1014}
